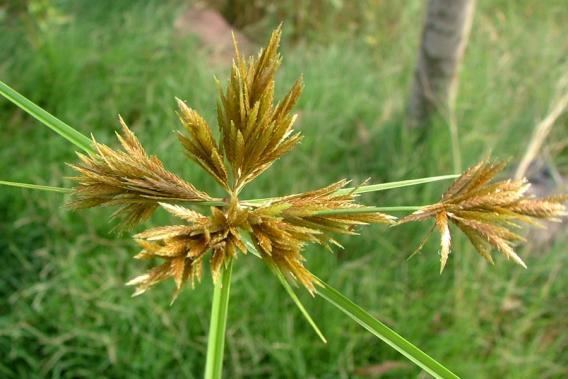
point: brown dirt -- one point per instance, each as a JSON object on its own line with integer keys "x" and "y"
{"x": 214, "y": 33}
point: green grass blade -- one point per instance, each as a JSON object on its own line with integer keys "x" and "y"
{"x": 383, "y": 332}
{"x": 370, "y": 188}
{"x": 35, "y": 187}
{"x": 46, "y": 118}
{"x": 252, "y": 248}
{"x": 218, "y": 325}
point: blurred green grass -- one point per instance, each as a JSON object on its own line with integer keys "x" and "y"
{"x": 64, "y": 311}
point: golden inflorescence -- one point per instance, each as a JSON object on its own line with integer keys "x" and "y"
{"x": 254, "y": 132}
{"x": 487, "y": 211}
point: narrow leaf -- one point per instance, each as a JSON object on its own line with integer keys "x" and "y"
{"x": 35, "y": 187}
{"x": 46, "y": 118}
{"x": 297, "y": 301}
{"x": 383, "y": 332}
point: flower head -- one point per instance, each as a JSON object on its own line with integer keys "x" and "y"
{"x": 283, "y": 226}
{"x": 254, "y": 132}
{"x": 487, "y": 212}
{"x": 129, "y": 179}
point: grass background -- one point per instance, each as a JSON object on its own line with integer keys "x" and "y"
{"x": 64, "y": 311}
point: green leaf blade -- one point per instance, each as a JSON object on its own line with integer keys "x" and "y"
{"x": 384, "y": 333}
{"x": 46, "y": 118}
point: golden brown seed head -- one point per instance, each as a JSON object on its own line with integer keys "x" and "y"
{"x": 129, "y": 179}
{"x": 486, "y": 211}
{"x": 254, "y": 132}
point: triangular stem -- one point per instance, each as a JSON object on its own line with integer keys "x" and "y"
{"x": 218, "y": 325}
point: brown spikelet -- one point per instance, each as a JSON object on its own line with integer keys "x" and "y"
{"x": 281, "y": 244}
{"x": 446, "y": 239}
{"x": 283, "y": 227}
{"x": 128, "y": 179}
{"x": 255, "y": 131}
{"x": 328, "y": 210}
{"x": 200, "y": 144}
{"x": 184, "y": 246}
{"x": 487, "y": 212}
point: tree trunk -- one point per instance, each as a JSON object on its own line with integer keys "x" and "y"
{"x": 444, "y": 38}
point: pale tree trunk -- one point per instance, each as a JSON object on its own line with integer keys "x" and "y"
{"x": 444, "y": 38}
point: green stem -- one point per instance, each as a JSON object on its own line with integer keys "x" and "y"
{"x": 360, "y": 210}
{"x": 213, "y": 203}
{"x": 221, "y": 203}
{"x": 367, "y": 188}
{"x": 392, "y": 185}
{"x": 387, "y": 335}
{"x": 35, "y": 187}
{"x": 218, "y": 324}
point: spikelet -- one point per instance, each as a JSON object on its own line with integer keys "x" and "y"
{"x": 183, "y": 247}
{"x": 284, "y": 226}
{"x": 200, "y": 145}
{"x": 327, "y": 211}
{"x": 128, "y": 179}
{"x": 281, "y": 243}
{"x": 255, "y": 131}
{"x": 486, "y": 212}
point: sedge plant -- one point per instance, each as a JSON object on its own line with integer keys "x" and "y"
{"x": 254, "y": 130}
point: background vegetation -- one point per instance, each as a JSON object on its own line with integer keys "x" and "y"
{"x": 64, "y": 311}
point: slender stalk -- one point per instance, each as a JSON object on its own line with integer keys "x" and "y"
{"x": 218, "y": 324}
{"x": 368, "y": 188}
{"x": 213, "y": 203}
{"x": 399, "y": 184}
{"x": 387, "y": 335}
{"x": 46, "y": 118}
{"x": 35, "y": 187}
{"x": 360, "y": 210}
